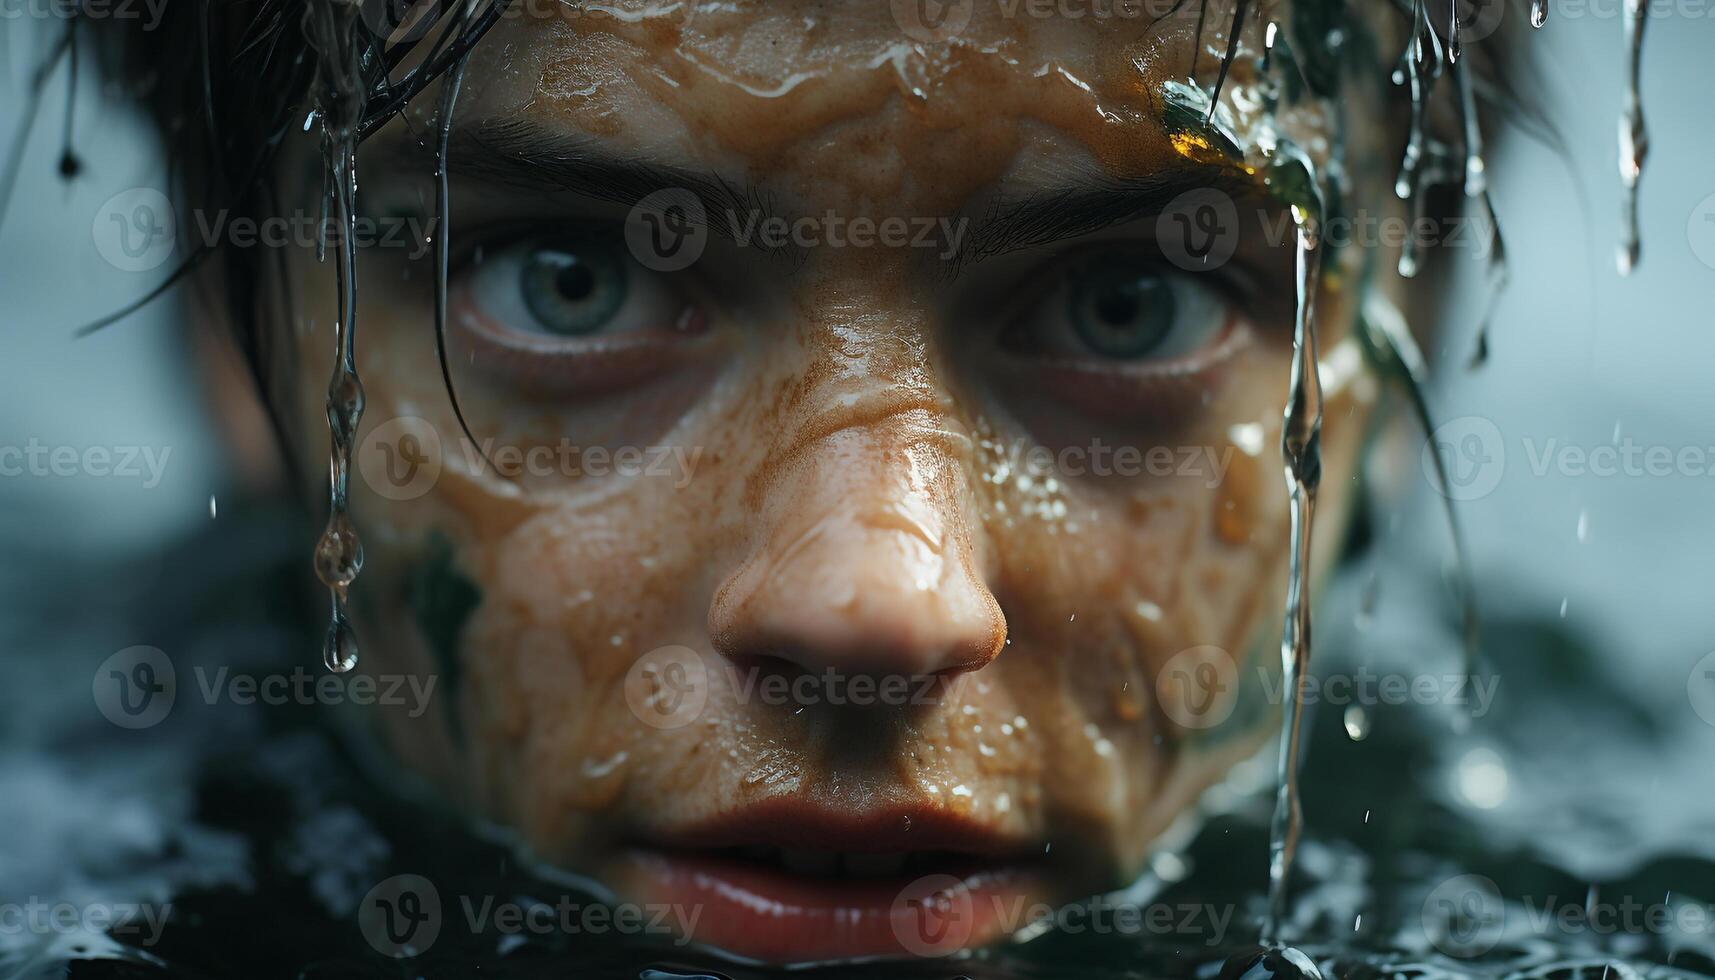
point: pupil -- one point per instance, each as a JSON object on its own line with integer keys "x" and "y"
{"x": 1118, "y": 302}
{"x": 574, "y": 281}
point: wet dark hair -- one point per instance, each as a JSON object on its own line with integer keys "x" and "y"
{"x": 225, "y": 81}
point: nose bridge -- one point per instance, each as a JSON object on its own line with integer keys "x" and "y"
{"x": 866, "y": 560}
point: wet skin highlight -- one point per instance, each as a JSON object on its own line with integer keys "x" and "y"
{"x": 867, "y": 499}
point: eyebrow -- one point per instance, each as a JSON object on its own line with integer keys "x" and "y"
{"x": 1016, "y": 223}
{"x": 528, "y": 156}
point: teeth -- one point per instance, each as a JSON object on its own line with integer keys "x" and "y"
{"x": 809, "y": 862}
{"x": 874, "y": 865}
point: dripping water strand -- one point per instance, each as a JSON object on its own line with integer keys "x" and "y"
{"x": 339, "y": 553}
{"x": 1634, "y": 138}
{"x": 1477, "y": 189}
{"x": 1421, "y": 65}
{"x": 1300, "y": 444}
{"x": 339, "y": 110}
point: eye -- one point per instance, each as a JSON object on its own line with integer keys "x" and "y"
{"x": 570, "y": 286}
{"x": 1121, "y": 307}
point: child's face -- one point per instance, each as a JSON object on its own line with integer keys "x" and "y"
{"x": 960, "y": 417}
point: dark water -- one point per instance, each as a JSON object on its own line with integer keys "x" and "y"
{"x": 262, "y": 832}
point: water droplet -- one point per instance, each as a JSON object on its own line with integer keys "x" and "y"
{"x": 1357, "y": 723}
{"x": 339, "y": 646}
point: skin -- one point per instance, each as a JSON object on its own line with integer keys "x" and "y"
{"x": 858, "y": 506}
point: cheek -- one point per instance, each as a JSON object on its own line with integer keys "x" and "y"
{"x": 1128, "y": 559}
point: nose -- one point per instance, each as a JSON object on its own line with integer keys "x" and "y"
{"x": 867, "y": 560}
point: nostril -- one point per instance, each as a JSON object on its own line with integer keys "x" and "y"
{"x": 759, "y": 665}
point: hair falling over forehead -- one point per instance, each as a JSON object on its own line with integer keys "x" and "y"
{"x": 274, "y": 57}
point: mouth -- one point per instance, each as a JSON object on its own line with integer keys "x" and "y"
{"x": 793, "y": 882}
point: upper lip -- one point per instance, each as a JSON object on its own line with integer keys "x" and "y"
{"x": 796, "y": 823}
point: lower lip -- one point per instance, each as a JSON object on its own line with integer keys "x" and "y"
{"x": 769, "y": 914}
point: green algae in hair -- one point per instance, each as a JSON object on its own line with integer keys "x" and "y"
{"x": 441, "y": 599}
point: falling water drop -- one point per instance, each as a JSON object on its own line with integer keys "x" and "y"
{"x": 1538, "y": 13}
{"x": 1421, "y": 65}
{"x": 1634, "y": 139}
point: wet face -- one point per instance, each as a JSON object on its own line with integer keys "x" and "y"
{"x": 913, "y": 513}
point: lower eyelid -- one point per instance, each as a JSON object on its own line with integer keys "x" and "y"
{"x": 549, "y": 366}
{"x": 1157, "y": 392}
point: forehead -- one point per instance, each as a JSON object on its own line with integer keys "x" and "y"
{"x": 874, "y": 99}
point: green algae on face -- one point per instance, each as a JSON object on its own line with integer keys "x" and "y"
{"x": 441, "y": 599}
